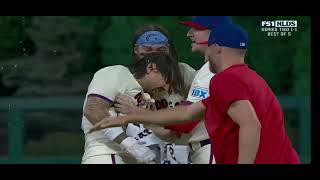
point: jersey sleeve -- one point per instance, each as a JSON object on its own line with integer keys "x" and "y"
{"x": 228, "y": 89}
{"x": 199, "y": 89}
{"x": 188, "y": 74}
{"x": 107, "y": 83}
{"x": 205, "y": 102}
{"x": 184, "y": 128}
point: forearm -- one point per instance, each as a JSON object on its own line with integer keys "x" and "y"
{"x": 115, "y": 134}
{"x": 249, "y": 139}
{"x": 162, "y": 133}
{"x": 95, "y": 110}
{"x": 96, "y": 116}
{"x": 176, "y": 115}
{"x": 140, "y": 110}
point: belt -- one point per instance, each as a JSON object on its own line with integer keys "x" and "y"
{"x": 196, "y": 145}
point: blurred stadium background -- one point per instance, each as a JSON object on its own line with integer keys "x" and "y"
{"x": 47, "y": 62}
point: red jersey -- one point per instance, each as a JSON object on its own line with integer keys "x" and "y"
{"x": 239, "y": 82}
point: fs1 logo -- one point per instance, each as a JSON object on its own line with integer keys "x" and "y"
{"x": 280, "y": 23}
{"x": 267, "y": 23}
{"x": 200, "y": 92}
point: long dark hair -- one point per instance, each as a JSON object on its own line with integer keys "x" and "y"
{"x": 177, "y": 84}
{"x": 162, "y": 61}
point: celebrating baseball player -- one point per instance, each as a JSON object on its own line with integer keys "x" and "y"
{"x": 113, "y": 145}
{"x": 153, "y": 38}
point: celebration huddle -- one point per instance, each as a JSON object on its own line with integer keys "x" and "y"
{"x": 159, "y": 110}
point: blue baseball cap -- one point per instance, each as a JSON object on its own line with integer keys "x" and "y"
{"x": 152, "y": 38}
{"x": 229, "y": 35}
{"x": 207, "y": 22}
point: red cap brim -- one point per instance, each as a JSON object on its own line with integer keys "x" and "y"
{"x": 203, "y": 42}
{"x": 193, "y": 25}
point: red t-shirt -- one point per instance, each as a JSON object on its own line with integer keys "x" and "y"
{"x": 184, "y": 128}
{"x": 238, "y": 82}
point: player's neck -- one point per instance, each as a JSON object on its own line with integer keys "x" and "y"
{"x": 229, "y": 62}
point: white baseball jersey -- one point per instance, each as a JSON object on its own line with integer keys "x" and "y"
{"x": 107, "y": 83}
{"x": 199, "y": 90}
{"x": 188, "y": 75}
{"x": 142, "y": 134}
{"x": 162, "y": 100}
{"x": 172, "y": 153}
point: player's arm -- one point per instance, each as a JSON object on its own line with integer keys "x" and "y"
{"x": 188, "y": 75}
{"x": 176, "y": 115}
{"x": 101, "y": 95}
{"x": 164, "y": 134}
{"x": 95, "y": 110}
{"x": 124, "y": 104}
{"x": 243, "y": 113}
{"x": 186, "y": 127}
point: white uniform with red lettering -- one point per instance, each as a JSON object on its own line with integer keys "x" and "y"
{"x": 167, "y": 152}
{"x": 198, "y": 138}
{"x": 107, "y": 83}
{"x": 173, "y": 153}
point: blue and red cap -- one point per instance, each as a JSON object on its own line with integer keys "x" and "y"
{"x": 229, "y": 35}
{"x": 207, "y": 22}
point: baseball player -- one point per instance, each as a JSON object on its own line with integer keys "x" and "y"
{"x": 153, "y": 38}
{"x": 113, "y": 145}
{"x": 194, "y": 133}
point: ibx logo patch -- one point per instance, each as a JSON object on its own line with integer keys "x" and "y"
{"x": 200, "y": 92}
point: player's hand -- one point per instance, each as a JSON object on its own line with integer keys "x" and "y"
{"x": 162, "y": 133}
{"x": 124, "y": 104}
{"x": 110, "y": 122}
{"x": 142, "y": 153}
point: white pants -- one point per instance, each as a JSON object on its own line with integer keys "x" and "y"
{"x": 99, "y": 150}
{"x": 202, "y": 155}
{"x": 174, "y": 154}
{"x": 109, "y": 159}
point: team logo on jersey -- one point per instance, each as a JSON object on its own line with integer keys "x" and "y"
{"x": 139, "y": 99}
{"x": 200, "y": 92}
{"x": 143, "y": 134}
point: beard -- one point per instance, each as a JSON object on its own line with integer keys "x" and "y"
{"x": 212, "y": 67}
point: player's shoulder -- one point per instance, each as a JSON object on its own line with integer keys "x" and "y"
{"x": 187, "y": 71}
{"x": 226, "y": 77}
{"x": 204, "y": 73}
{"x": 205, "y": 69}
{"x": 185, "y": 67}
{"x": 116, "y": 69}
